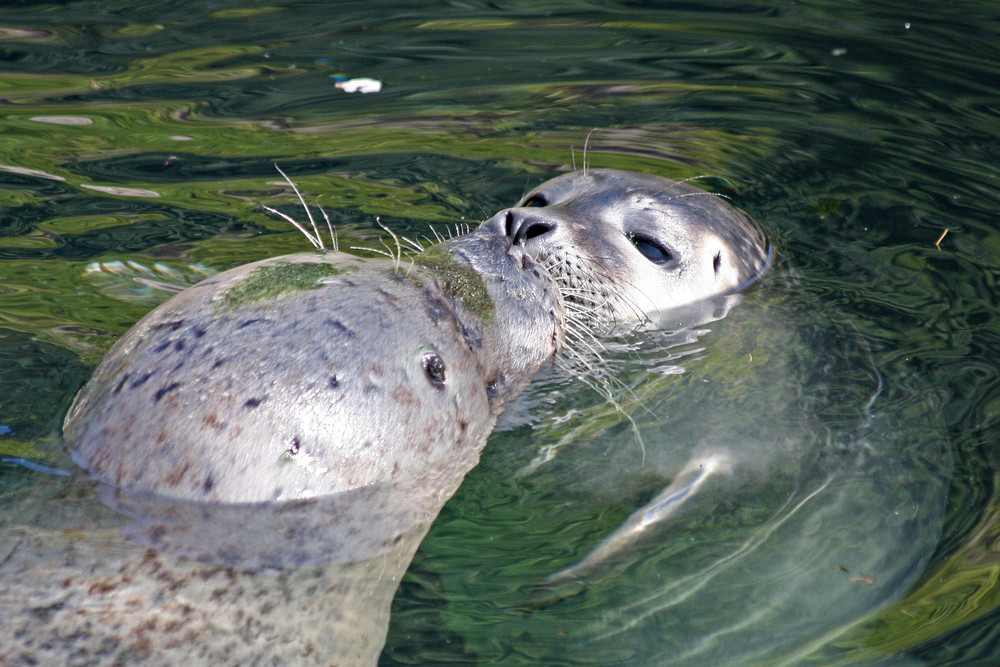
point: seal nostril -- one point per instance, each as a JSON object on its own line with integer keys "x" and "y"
{"x": 525, "y": 230}
{"x": 434, "y": 369}
{"x": 535, "y": 230}
{"x": 509, "y": 224}
{"x": 521, "y": 228}
{"x": 717, "y": 263}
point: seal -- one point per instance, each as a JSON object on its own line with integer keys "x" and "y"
{"x": 631, "y": 249}
{"x": 286, "y": 430}
{"x": 312, "y": 374}
{"x": 626, "y": 246}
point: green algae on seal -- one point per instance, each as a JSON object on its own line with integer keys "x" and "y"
{"x": 460, "y": 281}
{"x": 272, "y": 280}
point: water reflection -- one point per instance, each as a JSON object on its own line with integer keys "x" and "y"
{"x": 309, "y": 580}
{"x": 830, "y": 503}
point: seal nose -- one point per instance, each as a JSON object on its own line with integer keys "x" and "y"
{"x": 521, "y": 227}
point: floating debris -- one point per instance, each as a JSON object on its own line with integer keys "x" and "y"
{"x": 361, "y": 85}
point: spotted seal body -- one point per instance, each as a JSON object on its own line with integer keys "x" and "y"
{"x": 626, "y": 247}
{"x": 282, "y": 434}
{"x": 313, "y": 374}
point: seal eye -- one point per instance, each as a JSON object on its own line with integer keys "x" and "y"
{"x": 535, "y": 201}
{"x": 650, "y": 249}
{"x": 434, "y": 369}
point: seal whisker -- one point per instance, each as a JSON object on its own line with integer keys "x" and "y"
{"x": 330, "y": 228}
{"x": 314, "y": 236}
{"x": 584, "y": 355}
{"x": 301, "y": 201}
{"x": 582, "y": 360}
{"x": 316, "y": 243}
{"x": 582, "y": 338}
{"x": 580, "y": 298}
{"x": 377, "y": 251}
{"x": 703, "y": 176}
{"x": 437, "y": 236}
{"x": 387, "y": 248}
{"x": 398, "y": 256}
{"x": 702, "y": 194}
{"x": 460, "y": 229}
{"x": 416, "y": 246}
{"x": 586, "y": 145}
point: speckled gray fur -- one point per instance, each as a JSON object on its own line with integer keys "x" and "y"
{"x": 314, "y": 391}
{"x": 282, "y": 451}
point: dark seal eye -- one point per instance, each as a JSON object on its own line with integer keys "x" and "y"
{"x": 535, "y": 201}
{"x": 650, "y": 249}
{"x": 434, "y": 368}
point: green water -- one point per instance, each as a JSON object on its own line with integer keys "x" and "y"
{"x": 858, "y": 133}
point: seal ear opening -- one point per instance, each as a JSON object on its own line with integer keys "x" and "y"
{"x": 435, "y": 371}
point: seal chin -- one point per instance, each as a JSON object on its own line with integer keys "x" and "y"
{"x": 624, "y": 245}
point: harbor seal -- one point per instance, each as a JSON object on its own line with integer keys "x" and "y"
{"x": 313, "y": 374}
{"x": 283, "y": 431}
{"x": 289, "y": 429}
{"x": 628, "y": 247}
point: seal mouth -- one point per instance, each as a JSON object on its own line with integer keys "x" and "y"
{"x": 527, "y": 261}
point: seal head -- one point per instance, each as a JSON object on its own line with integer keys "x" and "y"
{"x": 626, "y": 246}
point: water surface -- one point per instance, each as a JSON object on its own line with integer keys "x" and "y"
{"x": 139, "y": 142}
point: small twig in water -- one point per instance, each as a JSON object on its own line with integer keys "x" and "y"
{"x": 937, "y": 244}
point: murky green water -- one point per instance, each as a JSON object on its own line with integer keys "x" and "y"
{"x": 139, "y": 142}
